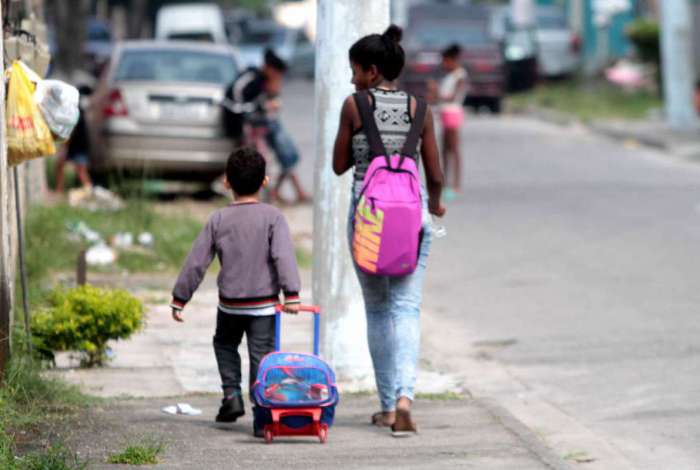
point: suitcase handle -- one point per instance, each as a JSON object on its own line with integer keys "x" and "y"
{"x": 314, "y": 309}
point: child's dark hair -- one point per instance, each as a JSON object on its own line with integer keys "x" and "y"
{"x": 245, "y": 171}
{"x": 384, "y": 51}
{"x": 453, "y": 51}
{"x": 274, "y": 61}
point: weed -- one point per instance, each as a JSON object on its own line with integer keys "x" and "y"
{"x": 138, "y": 454}
{"x": 579, "y": 457}
{"x": 28, "y": 399}
{"x": 56, "y": 457}
{"x": 445, "y": 396}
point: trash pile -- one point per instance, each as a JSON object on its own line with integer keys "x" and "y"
{"x": 95, "y": 199}
{"x": 100, "y": 253}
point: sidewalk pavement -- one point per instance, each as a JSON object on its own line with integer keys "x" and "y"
{"x": 452, "y": 434}
{"x": 652, "y": 133}
{"x": 169, "y": 363}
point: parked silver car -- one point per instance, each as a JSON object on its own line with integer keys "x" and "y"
{"x": 157, "y": 109}
{"x": 559, "y": 47}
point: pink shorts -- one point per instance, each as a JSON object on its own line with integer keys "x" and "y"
{"x": 452, "y": 118}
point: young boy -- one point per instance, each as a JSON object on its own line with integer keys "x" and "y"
{"x": 263, "y": 87}
{"x": 257, "y": 257}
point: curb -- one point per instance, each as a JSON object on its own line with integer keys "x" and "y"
{"x": 533, "y": 442}
{"x": 686, "y": 150}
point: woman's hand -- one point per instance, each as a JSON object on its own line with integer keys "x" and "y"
{"x": 436, "y": 208}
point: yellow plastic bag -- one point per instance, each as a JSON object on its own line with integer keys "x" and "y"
{"x": 28, "y": 136}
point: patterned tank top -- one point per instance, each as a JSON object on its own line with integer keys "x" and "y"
{"x": 392, "y": 112}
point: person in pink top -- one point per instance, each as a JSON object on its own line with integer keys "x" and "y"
{"x": 450, "y": 94}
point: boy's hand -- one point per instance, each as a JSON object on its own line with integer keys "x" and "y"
{"x": 292, "y": 309}
{"x": 177, "y": 316}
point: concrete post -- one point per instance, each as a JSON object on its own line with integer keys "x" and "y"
{"x": 523, "y": 13}
{"x": 335, "y": 287}
{"x": 5, "y": 231}
{"x": 677, "y": 64}
{"x": 399, "y": 12}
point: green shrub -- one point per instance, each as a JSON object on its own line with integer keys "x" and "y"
{"x": 645, "y": 35}
{"x": 84, "y": 319}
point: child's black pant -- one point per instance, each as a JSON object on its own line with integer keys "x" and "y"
{"x": 260, "y": 335}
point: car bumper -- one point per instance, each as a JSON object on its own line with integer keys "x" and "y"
{"x": 166, "y": 155}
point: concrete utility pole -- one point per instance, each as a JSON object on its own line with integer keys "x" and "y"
{"x": 5, "y": 230}
{"x": 335, "y": 287}
{"x": 399, "y": 12}
{"x": 677, "y": 63}
{"x": 523, "y": 13}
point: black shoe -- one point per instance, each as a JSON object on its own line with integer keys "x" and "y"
{"x": 258, "y": 432}
{"x": 231, "y": 409}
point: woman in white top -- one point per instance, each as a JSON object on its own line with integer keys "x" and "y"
{"x": 451, "y": 94}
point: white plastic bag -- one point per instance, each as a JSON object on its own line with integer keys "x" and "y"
{"x": 59, "y": 104}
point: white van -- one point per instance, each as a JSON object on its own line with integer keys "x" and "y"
{"x": 191, "y": 22}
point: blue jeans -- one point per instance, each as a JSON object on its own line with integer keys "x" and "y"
{"x": 392, "y": 306}
{"x": 281, "y": 144}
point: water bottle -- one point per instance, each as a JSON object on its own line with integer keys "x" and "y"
{"x": 438, "y": 229}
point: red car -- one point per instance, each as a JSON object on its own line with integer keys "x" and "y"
{"x": 432, "y": 28}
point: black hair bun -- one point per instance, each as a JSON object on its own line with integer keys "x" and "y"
{"x": 393, "y": 33}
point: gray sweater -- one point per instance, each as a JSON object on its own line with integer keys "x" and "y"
{"x": 256, "y": 253}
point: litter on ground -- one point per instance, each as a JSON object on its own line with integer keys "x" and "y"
{"x": 181, "y": 409}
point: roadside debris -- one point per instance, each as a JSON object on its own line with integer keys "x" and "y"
{"x": 181, "y": 409}
{"x": 123, "y": 240}
{"x": 100, "y": 255}
{"x": 146, "y": 239}
{"x": 94, "y": 199}
{"x": 80, "y": 230}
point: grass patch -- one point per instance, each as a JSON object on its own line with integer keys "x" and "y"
{"x": 50, "y": 246}
{"x": 138, "y": 454}
{"x": 445, "y": 396}
{"x": 56, "y": 457}
{"x": 29, "y": 403}
{"x": 305, "y": 259}
{"x": 588, "y": 101}
{"x": 579, "y": 457}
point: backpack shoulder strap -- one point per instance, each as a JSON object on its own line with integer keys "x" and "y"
{"x": 376, "y": 145}
{"x": 410, "y": 146}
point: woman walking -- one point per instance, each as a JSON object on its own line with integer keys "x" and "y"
{"x": 392, "y": 304}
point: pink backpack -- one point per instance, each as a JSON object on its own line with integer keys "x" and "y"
{"x": 388, "y": 216}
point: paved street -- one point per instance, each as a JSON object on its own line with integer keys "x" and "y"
{"x": 568, "y": 283}
{"x": 578, "y": 271}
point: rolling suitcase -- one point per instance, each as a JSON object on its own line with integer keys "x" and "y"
{"x": 295, "y": 393}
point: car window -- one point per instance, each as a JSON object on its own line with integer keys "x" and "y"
{"x": 192, "y": 36}
{"x": 439, "y": 37}
{"x": 262, "y": 36}
{"x": 176, "y": 66}
{"x": 98, "y": 32}
{"x": 551, "y": 21}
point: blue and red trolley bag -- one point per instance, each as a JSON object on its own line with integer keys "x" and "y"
{"x": 295, "y": 393}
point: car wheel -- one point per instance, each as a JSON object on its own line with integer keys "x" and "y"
{"x": 495, "y": 106}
